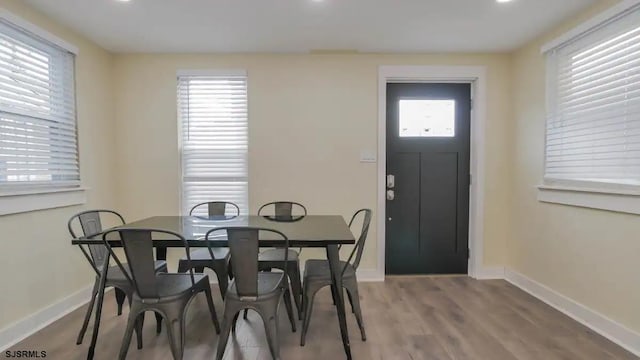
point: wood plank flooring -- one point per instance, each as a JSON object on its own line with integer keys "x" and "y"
{"x": 406, "y": 318}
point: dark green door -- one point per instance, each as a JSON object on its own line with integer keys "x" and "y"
{"x": 428, "y": 151}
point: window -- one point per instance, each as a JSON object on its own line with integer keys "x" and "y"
{"x": 38, "y": 141}
{"x": 593, "y": 104}
{"x": 212, "y": 110}
{"x": 427, "y": 118}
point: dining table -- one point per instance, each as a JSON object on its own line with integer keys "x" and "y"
{"x": 308, "y": 231}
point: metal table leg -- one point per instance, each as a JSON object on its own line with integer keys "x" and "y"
{"x": 334, "y": 264}
{"x": 161, "y": 253}
{"x": 96, "y": 322}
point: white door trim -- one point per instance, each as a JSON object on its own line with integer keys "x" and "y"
{"x": 474, "y": 75}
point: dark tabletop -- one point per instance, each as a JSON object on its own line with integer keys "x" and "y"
{"x": 307, "y": 231}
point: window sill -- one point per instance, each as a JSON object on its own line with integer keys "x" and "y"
{"x": 625, "y": 201}
{"x": 40, "y": 199}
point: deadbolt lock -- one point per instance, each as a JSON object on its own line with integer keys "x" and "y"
{"x": 391, "y": 181}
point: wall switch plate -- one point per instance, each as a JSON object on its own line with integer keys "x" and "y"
{"x": 368, "y": 156}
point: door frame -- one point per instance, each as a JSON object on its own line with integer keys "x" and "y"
{"x": 474, "y": 75}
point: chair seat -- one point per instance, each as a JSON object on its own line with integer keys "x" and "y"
{"x": 269, "y": 284}
{"x": 174, "y": 285}
{"x": 115, "y": 273}
{"x": 319, "y": 270}
{"x": 277, "y": 255}
{"x": 203, "y": 254}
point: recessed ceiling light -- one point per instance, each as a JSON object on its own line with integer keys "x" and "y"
{"x": 123, "y": 0}
{"x": 503, "y": 1}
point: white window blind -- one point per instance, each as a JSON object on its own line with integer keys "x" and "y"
{"x": 593, "y": 105}
{"x": 212, "y": 110}
{"x": 38, "y": 142}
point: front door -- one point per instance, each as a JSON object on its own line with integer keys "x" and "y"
{"x": 428, "y": 178}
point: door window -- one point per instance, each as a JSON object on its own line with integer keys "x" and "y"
{"x": 427, "y": 118}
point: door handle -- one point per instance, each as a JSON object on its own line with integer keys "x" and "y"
{"x": 391, "y": 195}
{"x": 391, "y": 181}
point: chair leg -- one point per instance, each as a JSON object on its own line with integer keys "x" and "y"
{"x": 212, "y": 309}
{"x": 354, "y": 297}
{"x": 296, "y": 285}
{"x": 230, "y": 270}
{"x": 120, "y": 297}
{"x": 183, "y": 266}
{"x": 269, "y": 315}
{"x": 87, "y": 316}
{"x": 138, "y": 327}
{"x": 126, "y": 340}
{"x": 289, "y": 306}
{"x": 235, "y": 322}
{"x": 223, "y": 279}
{"x": 309, "y": 296}
{"x": 175, "y": 330}
{"x": 353, "y": 310}
{"x": 333, "y": 295}
{"x": 227, "y": 321}
{"x": 158, "y": 322}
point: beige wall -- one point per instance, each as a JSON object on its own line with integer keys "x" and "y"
{"x": 38, "y": 265}
{"x": 591, "y": 256}
{"x": 309, "y": 118}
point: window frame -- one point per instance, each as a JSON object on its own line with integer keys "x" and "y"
{"x": 613, "y": 197}
{"x": 23, "y": 197}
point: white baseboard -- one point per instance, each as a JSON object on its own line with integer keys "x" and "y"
{"x": 484, "y": 273}
{"x": 489, "y": 273}
{"x": 21, "y": 329}
{"x": 370, "y": 275}
{"x": 610, "y": 329}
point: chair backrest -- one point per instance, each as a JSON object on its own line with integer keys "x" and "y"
{"x": 89, "y": 223}
{"x": 283, "y": 209}
{"x": 244, "y": 244}
{"x": 217, "y": 208}
{"x": 364, "y": 231}
{"x": 138, "y": 248}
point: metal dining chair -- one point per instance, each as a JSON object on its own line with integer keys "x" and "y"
{"x": 218, "y": 259}
{"x": 168, "y": 294}
{"x": 90, "y": 223}
{"x": 317, "y": 275}
{"x": 253, "y": 289}
{"x": 274, "y": 258}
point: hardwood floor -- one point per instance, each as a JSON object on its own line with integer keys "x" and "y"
{"x": 414, "y": 318}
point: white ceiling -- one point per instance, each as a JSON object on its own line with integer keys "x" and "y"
{"x": 304, "y": 25}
